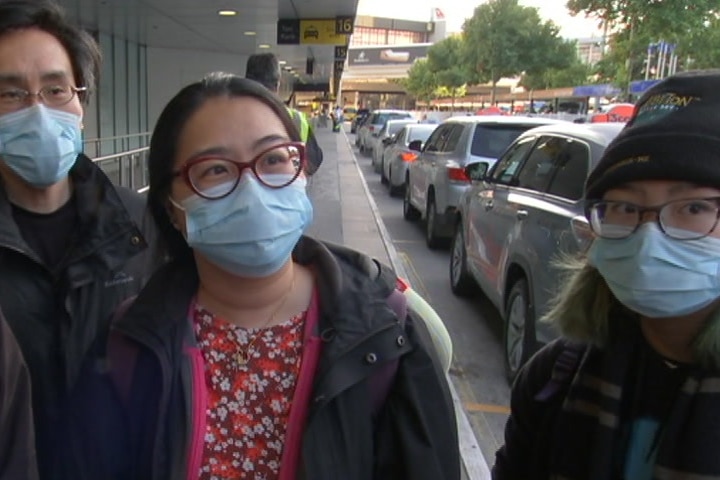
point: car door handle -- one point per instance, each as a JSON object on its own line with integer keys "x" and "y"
{"x": 489, "y": 205}
{"x": 522, "y": 214}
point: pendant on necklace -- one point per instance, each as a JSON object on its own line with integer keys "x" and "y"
{"x": 243, "y": 358}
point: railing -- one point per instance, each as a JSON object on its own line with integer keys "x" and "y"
{"x": 97, "y": 147}
{"x": 127, "y": 169}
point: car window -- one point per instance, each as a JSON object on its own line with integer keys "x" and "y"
{"x": 572, "y": 165}
{"x": 421, "y": 134}
{"x": 400, "y": 137}
{"x": 505, "y": 169}
{"x": 453, "y": 138}
{"x": 393, "y": 128}
{"x": 437, "y": 139}
{"x": 537, "y": 170}
{"x": 491, "y": 140}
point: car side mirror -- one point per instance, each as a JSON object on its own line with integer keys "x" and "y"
{"x": 388, "y": 140}
{"x": 476, "y": 171}
{"x": 415, "y": 145}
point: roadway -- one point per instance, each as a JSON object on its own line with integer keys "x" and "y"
{"x": 474, "y": 324}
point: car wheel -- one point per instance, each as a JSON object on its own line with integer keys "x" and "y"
{"x": 461, "y": 282}
{"x": 410, "y": 213}
{"x": 519, "y": 341}
{"x": 432, "y": 239}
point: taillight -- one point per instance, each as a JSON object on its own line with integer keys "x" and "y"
{"x": 371, "y": 128}
{"x": 408, "y": 156}
{"x": 457, "y": 174}
{"x": 402, "y": 284}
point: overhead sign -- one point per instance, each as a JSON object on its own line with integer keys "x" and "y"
{"x": 344, "y": 25}
{"x": 386, "y": 55}
{"x": 310, "y": 32}
{"x": 341, "y": 53}
{"x": 288, "y": 32}
{"x": 320, "y": 32}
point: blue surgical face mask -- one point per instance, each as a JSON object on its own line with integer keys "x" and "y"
{"x": 40, "y": 144}
{"x": 657, "y": 276}
{"x": 252, "y": 231}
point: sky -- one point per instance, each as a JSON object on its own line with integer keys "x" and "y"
{"x": 456, "y": 11}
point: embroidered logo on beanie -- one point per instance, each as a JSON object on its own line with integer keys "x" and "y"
{"x": 674, "y": 134}
{"x": 658, "y": 106}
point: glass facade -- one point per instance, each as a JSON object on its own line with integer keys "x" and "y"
{"x": 363, "y": 36}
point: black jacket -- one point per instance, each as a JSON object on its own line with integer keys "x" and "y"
{"x": 17, "y": 437}
{"x": 58, "y": 314}
{"x": 414, "y": 436}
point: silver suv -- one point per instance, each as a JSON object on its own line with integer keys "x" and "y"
{"x": 437, "y": 179}
{"x": 515, "y": 220}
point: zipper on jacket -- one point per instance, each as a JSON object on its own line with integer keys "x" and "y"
{"x": 199, "y": 413}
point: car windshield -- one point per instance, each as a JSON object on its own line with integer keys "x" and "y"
{"x": 490, "y": 141}
{"x": 421, "y": 134}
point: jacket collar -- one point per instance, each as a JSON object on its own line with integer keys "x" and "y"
{"x": 103, "y": 219}
{"x": 345, "y": 280}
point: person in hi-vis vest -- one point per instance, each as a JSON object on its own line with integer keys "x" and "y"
{"x": 265, "y": 69}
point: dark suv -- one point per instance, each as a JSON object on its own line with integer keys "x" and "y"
{"x": 514, "y": 221}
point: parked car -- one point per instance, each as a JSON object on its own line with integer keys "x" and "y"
{"x": 399, "y": 155}
{"x": 514, "y": 221}
{"x": 371, "y": 127}
{"x": 384, "y": 138}
{"x": 435, "y": 181}
{"x": 360, "y": 117}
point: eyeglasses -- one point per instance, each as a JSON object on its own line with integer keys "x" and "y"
{"x": 687, "y": 219}
{"x": 213, "y": 177}
{"x": 52, "y": 96}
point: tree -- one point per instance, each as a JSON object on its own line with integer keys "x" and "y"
{"x": 635, "y": 24}
{"x": 421, "y": 82}
{"x": 504, "y": 39}
{"x": 445, "y": 62}
{"x": 578, "y": 73}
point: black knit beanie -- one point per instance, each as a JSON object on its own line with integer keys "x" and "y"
{"x": 674, "y": 134}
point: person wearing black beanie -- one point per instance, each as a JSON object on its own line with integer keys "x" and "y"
{"x": 630, "y": 389}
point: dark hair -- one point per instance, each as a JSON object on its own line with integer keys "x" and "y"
{"x": 47, "y": 16}
{"x": 264, "y": 68}
{"x": 165, "y": 137}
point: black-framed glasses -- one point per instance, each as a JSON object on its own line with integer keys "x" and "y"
{"x": 213, "y": 177}
{"x": 51, "y": 96}
{"x": 686, "y": 219}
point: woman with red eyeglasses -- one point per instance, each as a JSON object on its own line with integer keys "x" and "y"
{"x": 256, "y": 352}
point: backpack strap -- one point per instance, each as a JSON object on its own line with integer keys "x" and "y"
{"x": 563, "y": 371}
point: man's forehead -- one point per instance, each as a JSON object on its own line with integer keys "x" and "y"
{"x": 9, "y": 76}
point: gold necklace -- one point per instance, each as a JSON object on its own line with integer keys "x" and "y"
{"x": 243, "y": 355}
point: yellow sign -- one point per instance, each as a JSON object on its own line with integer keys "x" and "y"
{"x": 320, "y": 32}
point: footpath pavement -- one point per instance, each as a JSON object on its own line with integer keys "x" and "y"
{"x": 345, "y": 213}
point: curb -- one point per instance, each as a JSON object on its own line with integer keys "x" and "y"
{"x": 474, "y": 465}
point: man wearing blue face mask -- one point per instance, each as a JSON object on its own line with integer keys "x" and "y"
{"x": 72, "y": 245}
{"x": 631, "y": 389}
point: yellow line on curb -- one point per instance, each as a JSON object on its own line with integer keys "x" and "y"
{"x": 486, "y": 408}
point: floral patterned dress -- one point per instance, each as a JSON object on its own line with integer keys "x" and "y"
{"x": 248, "y": 405}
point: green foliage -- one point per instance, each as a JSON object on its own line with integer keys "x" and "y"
{"x": 445, "y": 61}
{"x": 577, "y": 73}
{"x": 421, "y": 82}
{"x": 634, "y": 24}
{"x": 504, "y": 39}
